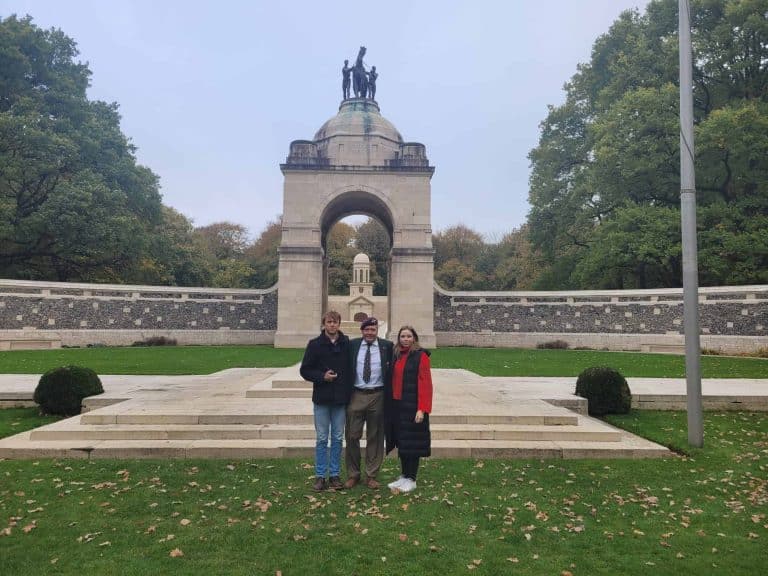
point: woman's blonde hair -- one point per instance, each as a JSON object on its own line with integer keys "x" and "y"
{"x": 414, "y": 346}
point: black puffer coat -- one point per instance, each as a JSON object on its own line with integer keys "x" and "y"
{"x": 410, "y": 438}
{"x": 322, "y": 355}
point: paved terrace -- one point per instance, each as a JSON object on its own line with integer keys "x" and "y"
{"x": 252, "y": 413}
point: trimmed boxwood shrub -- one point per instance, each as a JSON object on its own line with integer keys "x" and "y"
{"x": 61, "y": 390}
{"x": 605, "y": 389}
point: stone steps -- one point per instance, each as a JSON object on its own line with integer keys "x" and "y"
{"x": 290, "y": 383}
{"x": 164, "y": 449}
{"x": 250, "y": 413}
{"x": 192, "y": 417}
{"x": 67, "y": 431}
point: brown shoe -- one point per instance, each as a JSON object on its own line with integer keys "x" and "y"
{"x": 320, "y": 484}
{"x": 373, "y": 484}
{"x": 351, "y": 482}
{"x": 335, "y": 483}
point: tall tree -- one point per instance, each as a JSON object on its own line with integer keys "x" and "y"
{"x": 174, "y": 256}
{"x": 372, "y": 239}
{"x": 340, "y": 251}
{"x": 223, "y": 240}
{"x": 262, "y": 255}
{"x": 63, "y": 157}
{"x": 610, "y": 154}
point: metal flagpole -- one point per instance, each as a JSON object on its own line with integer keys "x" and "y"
{"x": 688, "y": 221}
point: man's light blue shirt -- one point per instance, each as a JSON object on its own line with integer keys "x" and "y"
{"x": 376, "y": 379}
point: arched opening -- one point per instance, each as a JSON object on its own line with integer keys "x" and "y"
{"x": 366, "y": 294}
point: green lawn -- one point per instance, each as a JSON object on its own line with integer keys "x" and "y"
{"x": 484, "y": 361}
{"x": 704, "y": 513}
{"x": 525, "y": 362}
{"x": 150, "y": 360}
{"x": 16, "y": 420}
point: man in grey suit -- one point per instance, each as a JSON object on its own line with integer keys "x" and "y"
{"x": 371, "y": 359}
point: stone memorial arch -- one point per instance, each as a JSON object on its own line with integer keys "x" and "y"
{"x": 357, "y": 163}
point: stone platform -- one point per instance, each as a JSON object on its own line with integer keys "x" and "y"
{"x": 267, "y": 413}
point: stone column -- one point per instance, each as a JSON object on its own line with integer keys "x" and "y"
{"x": 411, "y": 296}
{"x": 299, "y": 295}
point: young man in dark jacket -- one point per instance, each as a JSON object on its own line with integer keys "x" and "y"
{"x": 326, "y": 365}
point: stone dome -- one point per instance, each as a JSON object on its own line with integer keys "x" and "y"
{"x": 359, "y": 117}
{"x": 361, "y": 259}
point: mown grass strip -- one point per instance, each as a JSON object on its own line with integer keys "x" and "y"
{"x": 170, "y": 360}
{"x": 484, "y": 361}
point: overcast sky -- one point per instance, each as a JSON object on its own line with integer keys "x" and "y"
{"x": 212, "y": 93}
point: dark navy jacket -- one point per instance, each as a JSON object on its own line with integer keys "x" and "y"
{"x": 322, "y": 355}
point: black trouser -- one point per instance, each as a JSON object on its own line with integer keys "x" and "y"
{"x": 409, "y": 466}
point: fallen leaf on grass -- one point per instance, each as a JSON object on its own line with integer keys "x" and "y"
{"x": 403, "y": 537}
{"x": 176, "y": 553}
{"x": 185, "y": 522}
{"x": 513, "y": 559}
{"x": 29, "y": 527}
{"x": 88, "y": 537}
{"x": 5, "y": 531}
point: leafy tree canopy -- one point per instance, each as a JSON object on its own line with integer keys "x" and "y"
{"x": 604, "y": 187}
{"x": 74, "y": 204}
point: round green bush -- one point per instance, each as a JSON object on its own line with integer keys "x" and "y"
{"x": 605, "y": 389}
{"x": 61, "y": 390}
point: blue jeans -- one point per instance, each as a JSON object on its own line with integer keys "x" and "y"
{"x": 329, "y": 416}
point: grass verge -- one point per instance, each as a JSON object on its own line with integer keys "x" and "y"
{"x": 704, "y": 513}
{"x": 526, "y": 362}
{"x": 171, "y": 360}
{"x": 484, "y": 361}
{"x": 17, "y": 420}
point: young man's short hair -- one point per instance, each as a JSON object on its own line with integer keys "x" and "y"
{"x": 332, "y": 315}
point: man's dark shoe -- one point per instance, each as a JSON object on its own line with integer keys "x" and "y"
{"x": 335, "y": 483}
{"x": 373, "y": 484}
{"x": 351, "y": 482}
{"x": 320, "y": 484}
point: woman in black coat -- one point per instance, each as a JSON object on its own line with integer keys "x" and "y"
{"x": 408, "y": 402}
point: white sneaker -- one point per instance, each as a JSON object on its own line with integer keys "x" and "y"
{"x": 396, "y": 483}
{"x": 408, "y": 485}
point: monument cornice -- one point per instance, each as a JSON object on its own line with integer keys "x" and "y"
{"x": 284, "y": 168}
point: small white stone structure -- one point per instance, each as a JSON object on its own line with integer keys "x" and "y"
{"x": 360, "y": 299}
{"x": 357, "y": 163}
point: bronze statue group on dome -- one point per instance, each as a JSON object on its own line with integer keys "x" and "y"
{"x": 363, "y": 82}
